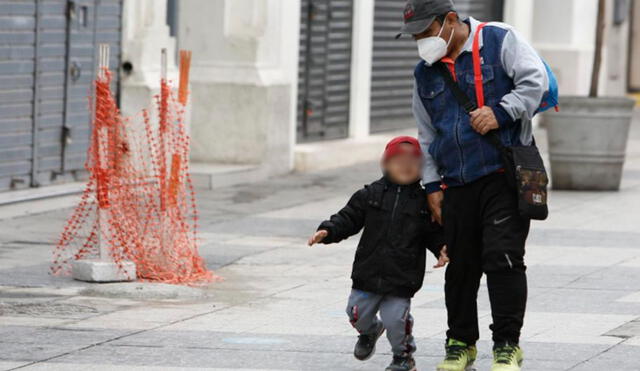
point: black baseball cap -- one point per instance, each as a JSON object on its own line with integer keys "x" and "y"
{"x": 419, "y": 14}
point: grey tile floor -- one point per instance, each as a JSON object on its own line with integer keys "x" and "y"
{"x": 281, "y": 304}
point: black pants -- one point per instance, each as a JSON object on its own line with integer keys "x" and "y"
{"x": 485, "y": 234}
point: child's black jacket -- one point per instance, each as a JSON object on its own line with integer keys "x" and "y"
{"x": 391, "y": 254}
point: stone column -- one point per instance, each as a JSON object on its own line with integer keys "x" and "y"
{"x": 144, "y": 34}
{"x": 519, "y": 14}
{"x": 243, "y": 79}
{"x": 361, "y": 59}
{"x": 564, "y": 33}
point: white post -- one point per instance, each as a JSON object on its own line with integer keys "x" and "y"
{"x": 102, "y": 269}
{"x": 103, "y": 163}
{"x": 164, "y": 149}
{"x": 103, "y": 222}
{"x": 361, "y": 59}
{"x": 163, "y": 64}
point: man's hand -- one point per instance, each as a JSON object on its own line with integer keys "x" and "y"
{"x": 317, "y": 237}
{"x": 443, "y": 259}
{"x": 483, "y": 120}
{"x": 434, "y": 200}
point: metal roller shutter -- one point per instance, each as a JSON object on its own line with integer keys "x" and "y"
{"x": 392, "y": 69}
{"x": 46, "y": 70}
{"x": 324, "y": 69}
{"x": 394, "y": 61}
{"x": 17, "y": 40}
{"x": 484, "y": 10}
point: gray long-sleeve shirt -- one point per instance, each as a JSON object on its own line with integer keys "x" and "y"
{"x": 523, "y": 64}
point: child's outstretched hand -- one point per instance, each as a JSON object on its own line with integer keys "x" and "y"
{"x": 317, "y": 237}
{"x": 443, "y": 259}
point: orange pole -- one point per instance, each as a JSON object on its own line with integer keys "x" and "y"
{"x": 185, "y": 65}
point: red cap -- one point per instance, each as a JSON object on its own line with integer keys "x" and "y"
{"x": 394, "y": 147}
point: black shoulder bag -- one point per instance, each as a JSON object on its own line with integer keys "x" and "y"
{"x": 523, "y": 165}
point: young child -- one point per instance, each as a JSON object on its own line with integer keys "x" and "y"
{"x": 389, "y": 265}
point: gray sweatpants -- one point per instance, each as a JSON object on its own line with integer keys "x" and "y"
{"x": 395, "y": 315}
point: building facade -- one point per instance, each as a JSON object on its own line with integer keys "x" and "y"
{"x": 47, "y": 64}
{"x": 275, "y": 84}
{"x": 285, "y": 79}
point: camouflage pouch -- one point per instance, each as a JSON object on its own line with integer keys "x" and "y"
{"x": 527, "y": 174}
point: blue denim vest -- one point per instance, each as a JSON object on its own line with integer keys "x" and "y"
{"x": 462, "y": 154}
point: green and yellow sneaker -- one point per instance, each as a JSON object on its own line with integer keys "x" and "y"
{"x": 507, "y": 357}
{"x": 460, "y": 356}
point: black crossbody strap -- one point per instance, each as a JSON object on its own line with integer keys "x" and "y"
{"x": 464, "y": 101}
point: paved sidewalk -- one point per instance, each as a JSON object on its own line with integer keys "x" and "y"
{"x": 281, "y": 306}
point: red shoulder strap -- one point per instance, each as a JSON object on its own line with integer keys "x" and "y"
{"x": 477, "y": 69}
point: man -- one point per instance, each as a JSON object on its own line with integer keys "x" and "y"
{"x": 463, "y": 172}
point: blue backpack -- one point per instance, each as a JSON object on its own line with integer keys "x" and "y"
{"x": 550, "y": 97}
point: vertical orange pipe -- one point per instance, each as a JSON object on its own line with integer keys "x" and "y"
{"x": 185, "y": 65}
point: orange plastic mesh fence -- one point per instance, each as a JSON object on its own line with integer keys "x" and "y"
{"x": 139, "y": 202}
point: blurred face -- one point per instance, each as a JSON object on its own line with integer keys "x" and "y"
{"x": 403, "y": 168}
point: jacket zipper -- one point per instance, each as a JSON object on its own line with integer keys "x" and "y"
{"x": 460, "y": 150}
{"x": 456, "y": 127}
{"x": 393, "y": 215}
{"x": 395, "y": 205}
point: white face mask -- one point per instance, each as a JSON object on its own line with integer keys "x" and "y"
{"x": 433, "y": 48}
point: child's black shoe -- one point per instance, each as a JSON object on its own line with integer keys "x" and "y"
{"x": 403, "y": 362}
{"x": 366, "y": 345}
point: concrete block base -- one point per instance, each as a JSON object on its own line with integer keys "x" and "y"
{"x": 103, "y": 271}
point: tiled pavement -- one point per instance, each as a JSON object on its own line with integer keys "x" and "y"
{"x": 281, "y": 306}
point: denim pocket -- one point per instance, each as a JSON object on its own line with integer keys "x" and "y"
{"x": 487, "y": 85}
{"x": 432, "y": 95}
